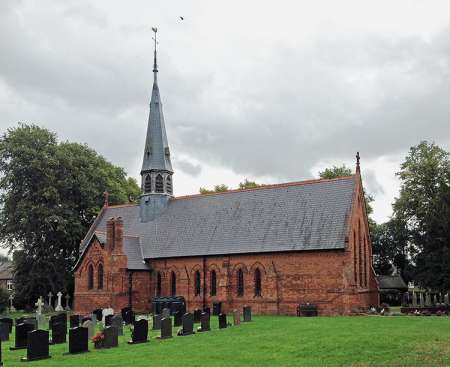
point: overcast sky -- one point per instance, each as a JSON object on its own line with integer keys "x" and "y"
{"x": 272, "y": 91}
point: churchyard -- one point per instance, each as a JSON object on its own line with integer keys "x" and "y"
{"x": 265, "y": 341}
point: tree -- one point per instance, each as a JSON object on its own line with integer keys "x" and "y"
{"x": 424, "y": 209}
{"x": 50, "y": 194}
{"x": 248, "y": 185}
{"x": 217, "y": 188}
{"x": 336, "y": 171}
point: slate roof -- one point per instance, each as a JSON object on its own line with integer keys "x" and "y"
{"x": 309, "y": 215}
{"x": 6, "y": 270}
{"x": 391, "y": 282}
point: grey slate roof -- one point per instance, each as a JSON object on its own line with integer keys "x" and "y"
{"x": 391, "y": 282}
{"x": 292, "y": 217}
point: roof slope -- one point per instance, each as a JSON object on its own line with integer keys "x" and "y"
{"x": 391, "y": 282}
{"x": 310, "y": 215}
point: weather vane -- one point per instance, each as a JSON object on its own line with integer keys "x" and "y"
{"x": 155, "y": 66}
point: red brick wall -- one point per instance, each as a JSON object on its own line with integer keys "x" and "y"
{"x": 336, "y": 280}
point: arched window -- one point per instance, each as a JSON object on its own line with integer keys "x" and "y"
{"x": 158, "y": 284}
{"x": 159, "y": 184}
{"x": 197, "y": 284}
{"x": 90, "y": 277}
{"x": 240, "y": 283}
{"x": 148, "y": 184}
{"x": 169, "y": 184}
{"x": 257, "y": 282}
{"x": 213, "y": 289}
{"x": 100, "y": 277}
{"x": 173, "y": 284}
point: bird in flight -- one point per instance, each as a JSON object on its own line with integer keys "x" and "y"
{"x": 181, "y": 17}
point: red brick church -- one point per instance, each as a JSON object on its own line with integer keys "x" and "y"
{"x": 272, "y": 247}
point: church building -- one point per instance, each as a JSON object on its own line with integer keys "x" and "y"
{"x": 272, "y": 247}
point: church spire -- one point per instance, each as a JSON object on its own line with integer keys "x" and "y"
{"x": 156, "y": 172}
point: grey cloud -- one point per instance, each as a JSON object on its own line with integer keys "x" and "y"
{"x": 372, "y": 185}
{"x": 188, "y": 167}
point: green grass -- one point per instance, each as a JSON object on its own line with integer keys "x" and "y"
{"x": 277, "y": 341}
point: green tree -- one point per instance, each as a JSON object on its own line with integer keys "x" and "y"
{"x": 246, "y": 184}
{"x": 50, "y": 194}
{"x": 423, "y": 207}
{"x": 336, "y": 171}
{"x": 217, "y": 188}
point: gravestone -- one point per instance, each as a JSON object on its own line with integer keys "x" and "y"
{"x": 59, "y": 318}
{"x": 40, "y": 322}
{"x": 8, "y": 321}
{"x": 222, "y": 321}
{"x": 236, "y": 317}
{"x": 177, "y": 318}
{"x": 128, "y": 315}
{"x": 197, "y": 314}
{"x": 94, "y": 319}
{"x": 446, "y": 298}
{"x": 187, "y": 325}
{"x": 20, "y": 320}
{"x": 85, "y": 318}
{"x": 106, "y": 312}
{"x": 59, "y": 306}
{"x": 11, "y": 306}
{"x": 74, "y": 321}
{"x": 50, "y": 304}
{"x": 78, "y": 340}
{"x": 67, "y": 308}
{"x": 88, "y": 324}
{"x": 108, "y": 319}
{"x": 156, "y": 322}
{"x": 111, "y": 337}
{"x": 37, "y": 346}
{"x": 31, "y": 321}
{"x": 39, "y": 305}
{"x": 204, "y": 322}
{"x": 165, "y": 313}
{"x": 217, "y": 308}
{"x": 20, "y": 341}
{"x": 98, "y": 312}
{"x": 4, "y": 331}
{"x": 117, "y": 322}
{"x": 59, "y": 330}
{"x": 166, "y": 328}
{"x": 247, "y": 314}
{"x": 207, "y": 310}
{"x": 140, "y": 332}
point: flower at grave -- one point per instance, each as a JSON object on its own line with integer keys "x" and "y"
{"x": 98, "y": 337}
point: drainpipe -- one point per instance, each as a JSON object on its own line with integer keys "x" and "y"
{"x": 204, "y": 282}
{"x": 278, "y": 288}
{"x": 130, "y": 289}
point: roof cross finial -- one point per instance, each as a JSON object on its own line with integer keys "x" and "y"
{"x": 357, "y": 161}
{"x": 155, "y": 65}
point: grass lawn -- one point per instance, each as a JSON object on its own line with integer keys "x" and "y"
{"x": 276, "y": 341}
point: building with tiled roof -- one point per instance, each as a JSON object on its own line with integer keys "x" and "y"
{"x": 272, "y": 247}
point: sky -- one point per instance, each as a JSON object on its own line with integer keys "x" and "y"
{"x": 271, "y": 91}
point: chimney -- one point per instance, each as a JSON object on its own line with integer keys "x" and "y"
{"x": 110, "y": 229}
{"x": 118, "y": 234}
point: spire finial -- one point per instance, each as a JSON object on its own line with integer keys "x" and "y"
{"x": 357, "y": 161}
{"x": 155, "y": 65}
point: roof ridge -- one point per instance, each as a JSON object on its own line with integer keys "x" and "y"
{"x": 122, "y": 205}
{"x": 269, "y": 186}
{"x": 124, "y": 235}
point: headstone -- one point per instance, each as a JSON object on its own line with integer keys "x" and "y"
{"x": 111, "y": 337}
{"x": 20, "y": 341}
{"x": 414, "y": 299}
{"x": 59, "y": 318}
{"x": 222, "y": 321}
{"x": 8, "y": 321}
{"x": 421, "y": 300}
{"x": 128, "y": 315}
{"x": 187, "y": 325}
{"x": 11, "y": 306}
{"x": 59, "y": 306}
{"x": 98, "y": 312}
{"x": 156, "y": 322}
{"x": 94, "y": 319}
{"x": 106, "y": 312}
{"x": 39, "y": 305}
{"x": 446, "y": 298}
{"x": 204, "y": 322}
{"x": 59, "y": 330}
{"x": 177, "y": 318}
{"x": 85, "y": 318}
{"x": 88, "y": 324}
{"x": 236, "y": 317}
{"x": 207, "y": 310}
{"x": 166, "y": 328}
{"x": 40, "y": 321}
{"x": 31, "y": 321}
{"x": 117, "y": 322}
{"x": 67, "y": 302}
{"x": 50, "y": 296}
{"x": 108, "y": 319}
{"x": 428, "y": 301}
{"x": 78, "y": 340}
{"x": 140, "y": 332}
{"x": 165, "y": 313}
{"x": 4, "y": 331}
{"x": 247, "y": 314}
{"x": 74, "y": 321}
{"x": 37, "y": 345}
{"x": 197, "y": 314}
{"x": 20, "y": 320}
{"x": 217, "y": 308}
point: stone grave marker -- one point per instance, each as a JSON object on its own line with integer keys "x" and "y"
{"x": 40, "y": 322}
{"x": 207, "y": 310}
{"x": 50, "y": 296}
{"x": 11, "y": 306}
{"x": 37, "y": 346}
{"x": 222, "y": 321}
{"x": 108, "y": 319}
{"x": 156, "y": 322}
{"x": 74, "y": 321}
{"x": 39, "y": 305}
{"x": 187, "y": 325}
{"x": 236, "y": 317}
{"x": 4, "y": 331}
{"x": 217, "y": 308}
{"x": 78, "y": 340}
{"x": 67, "y": 308}
{"x": 165, "y": 313}
{"x": 166, "y": 328}
{"x": 85, "y": 318}
{"x": 31, "y": 321}
{"x": 94, "y": 319}
{"x": 128, "y": 316}
{"x": 177, "y": 318}
{"x": 204, "y": 322}
{"x": 446, "y": 298}
{"x": 247, "y": 314}
{"x": 8, "y": 321}
{"x": 59, "y": 307}
{"x": 117, "y": 322}
{"x": 88, "y": 324}
{"x": 59, "y": 330}
{"x": 140, "y": 332}
{"x": 98, "y": 314}
{"x": 197, "y": 314}
{"x": 20, "y": 341}
{"x": 111, "y": 337}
